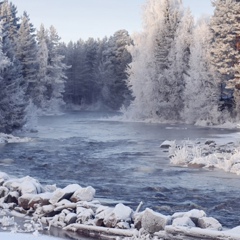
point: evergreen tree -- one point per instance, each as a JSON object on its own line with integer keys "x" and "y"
{"x": 202, "y": 91}
{"x": 225, "y": 55}
{"x": 26, "y": 53}
{"x": 39, "y": 98}
{"x": 55, "y": 72}
{"x": 113, "y": 68}
{"x": 13, "y": 102}
{"x": 157, "y": 79}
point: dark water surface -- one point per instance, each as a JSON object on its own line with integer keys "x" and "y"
{"x": 124, "y": 163}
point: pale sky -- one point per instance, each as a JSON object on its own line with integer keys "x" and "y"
{"x": 75, "y": 19}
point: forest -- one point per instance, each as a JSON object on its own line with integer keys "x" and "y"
{"x": 178, "y": 69}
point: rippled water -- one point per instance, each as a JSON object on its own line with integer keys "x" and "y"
{"x": 123, "y": 162}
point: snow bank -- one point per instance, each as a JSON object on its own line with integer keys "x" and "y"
{"x": 74, "y": 208}
{"x": 8, "y": 138}
{"x": 21, "y": 236}
{"x": 207, "y": 155}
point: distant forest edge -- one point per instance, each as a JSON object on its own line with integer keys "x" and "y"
{"x": 175, "y": 70}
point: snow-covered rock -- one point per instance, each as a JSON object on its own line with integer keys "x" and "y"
{"x": 25, "y": 185}
{"x": 167, "y": 144}
{"x": 8, "y": 138}
{"x": 64, "y": 193}
{"x": 3, "y": 177}
{"x": 120, "y": 213}
{"x": 101, "y": 213}
{"x": 153, "y": 221}
{"x": 209, "y": 223}
{"x": 83, "y": 194}
{"x": 3, "y": 192}
{"x": 84, "y": 214}
{"x": 183, "y": 221}
{"x": 12, "y": 197}
{"x": 70, "y": 218}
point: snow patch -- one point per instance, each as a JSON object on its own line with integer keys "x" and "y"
{"x": 8, "y": 138}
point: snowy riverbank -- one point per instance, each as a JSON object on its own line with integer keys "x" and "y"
{"x": 74, "y": 208}
{"x": 208, "y": 154}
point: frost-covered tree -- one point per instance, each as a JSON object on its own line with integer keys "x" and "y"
{"x": 178, "y": 68}
{"x": 98, "y": 72}
{"x": 51, "y": 73}
{"x": 156, "y": 78}
{"x": 113, "y": 66}
{"x": 202, "y": 90}
{"x": 12, "y": 92}
{"x": 26, "y": 53}
{"x": 40, "y": 89}
{"x": 225, "y": 57}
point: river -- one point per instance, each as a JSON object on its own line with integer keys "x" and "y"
{"x": 124, "y": 163}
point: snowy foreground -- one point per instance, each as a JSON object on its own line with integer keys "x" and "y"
{"x": 74, "y": 208}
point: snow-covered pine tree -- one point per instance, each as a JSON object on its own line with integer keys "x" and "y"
{"x": 13, "y": 102}
{"x": 177, "y": 70}
{"x": 26, "y": 53}
{"x": 40, "y": 99}
{"x": 56, "y": 75}
{"x": 201, "y": 95}
{"x": 89, "y": 83}
{"x": 225, "y": 30}
{"x": 113, "y": 67}
{"x": 152, "y": 79}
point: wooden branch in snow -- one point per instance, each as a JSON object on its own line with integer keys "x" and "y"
{"x": 198, "y": 233}
{"x": 139, "y": 206}
{"x": 76, "y": 227}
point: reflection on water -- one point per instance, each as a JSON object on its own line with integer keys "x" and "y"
{"x": 123, "y": 162}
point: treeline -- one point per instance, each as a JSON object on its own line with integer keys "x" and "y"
{"x": 98, "y": 74}
{"x": 174, "y": 70}
{"x": 185, "y": 71}
{"x": 39, "y": 73}
{"x": 32, "y": 71}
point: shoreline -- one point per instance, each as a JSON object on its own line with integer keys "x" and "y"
{"x": 75, "y": 209}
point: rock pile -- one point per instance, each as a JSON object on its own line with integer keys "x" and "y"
{"x": 74, "y": 208}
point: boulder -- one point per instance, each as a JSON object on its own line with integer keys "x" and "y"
{"x": 3, "y": 192}
{"x": 84, "y": 214}
{"x": 183, "y": 222}
{"x": 83, "y": 194}
{"x": 101, "y": 213}
{"x": 64, "y": 193}
{"x": 153, "y": 221}
{"x": 70, "y": 218}
{"x": 194, "y": 214}
{"x": 3, "y": 178}
{"x": 94, "y": 205}
{"x": 138, "y": 220}
{"x": 24, "y": 201}
{"x": 209, "y": 223}
{"x": 208, "y": 142}
{"x": 26, "y": 185}
{"x": 120, "y": 213}
{"x": 166, "y": 144}
{"x": 64, "y": 204}
{"x": 40, "y": 199}
{"x": 12, "y": 197}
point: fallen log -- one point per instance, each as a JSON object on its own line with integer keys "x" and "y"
{"x": 76, "y": 227}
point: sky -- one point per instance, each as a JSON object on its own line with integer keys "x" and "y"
{"x": 75, "y": 19}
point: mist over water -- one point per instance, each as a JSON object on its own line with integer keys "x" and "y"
{"x": 124, "y": 163}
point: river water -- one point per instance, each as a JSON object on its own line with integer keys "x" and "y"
{"x": 124, "y": 163}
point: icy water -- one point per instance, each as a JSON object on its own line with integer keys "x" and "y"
{"x": 124, "y": 163}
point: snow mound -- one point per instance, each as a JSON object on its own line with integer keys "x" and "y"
{"x": 208, "y": 155}
{"x": 21, "y": 236}
{"x": 8, "y": 138}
